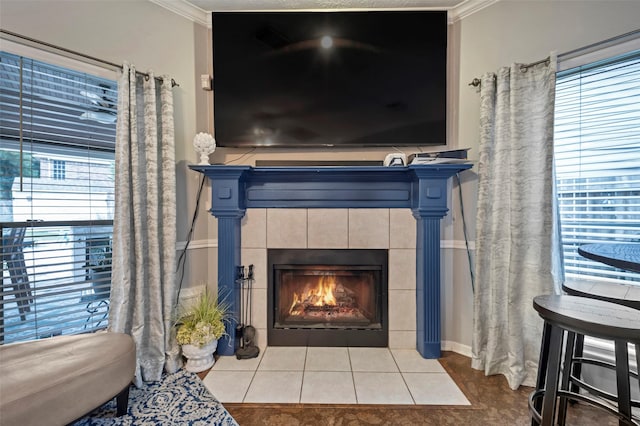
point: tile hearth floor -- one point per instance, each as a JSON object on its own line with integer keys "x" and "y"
{"x": 319, "y": 375}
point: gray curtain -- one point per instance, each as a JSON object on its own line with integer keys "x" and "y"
{"x": 144, "y": 286}
{"x": 517, "y": 242}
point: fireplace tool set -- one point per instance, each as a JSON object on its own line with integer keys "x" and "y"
{"x": 245, "y": 332}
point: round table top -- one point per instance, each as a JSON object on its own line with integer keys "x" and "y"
{"x": 619, "y": 255}
{"x": 592, "y": 317}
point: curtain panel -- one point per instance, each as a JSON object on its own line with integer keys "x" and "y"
{"x": 144, "y": 288}
{"x": 517, "y": 243}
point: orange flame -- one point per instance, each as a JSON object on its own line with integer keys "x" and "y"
{"x": 319, "y": 295}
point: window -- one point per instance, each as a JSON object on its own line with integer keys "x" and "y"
{"x": 58, "y": 169}
{"x": 57, "y": 143}
{"x": 597, "y": 155}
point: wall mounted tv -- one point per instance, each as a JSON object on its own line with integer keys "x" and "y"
{"x": 335, "y": 79}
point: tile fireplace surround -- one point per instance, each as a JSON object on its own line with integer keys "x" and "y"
{"x": 337, "y": 207}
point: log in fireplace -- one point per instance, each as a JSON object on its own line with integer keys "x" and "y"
{"x": 327, "y": 297}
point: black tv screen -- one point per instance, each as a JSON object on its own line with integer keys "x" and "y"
{"x": 343, "y": 79}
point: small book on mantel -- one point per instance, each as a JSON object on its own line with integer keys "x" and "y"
{"x": 452, "y": 156}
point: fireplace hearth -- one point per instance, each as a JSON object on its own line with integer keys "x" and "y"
{"x": 327, "y": 297}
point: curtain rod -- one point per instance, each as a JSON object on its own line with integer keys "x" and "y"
{"x": 523, "y": 67}
{"x": 76, "y": 54}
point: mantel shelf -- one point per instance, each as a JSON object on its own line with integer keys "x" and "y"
{"x": 421, "y": 188}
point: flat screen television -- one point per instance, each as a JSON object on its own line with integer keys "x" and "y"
{"x": 329, "y": 79}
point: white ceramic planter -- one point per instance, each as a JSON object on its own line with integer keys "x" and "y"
{"x": 199, "y": 358}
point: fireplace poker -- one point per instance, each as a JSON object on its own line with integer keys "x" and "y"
{"x": 240, "y": 325}
{"x": 248, "y": 349}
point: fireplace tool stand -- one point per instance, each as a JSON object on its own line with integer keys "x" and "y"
{"x": 245, "y": 330}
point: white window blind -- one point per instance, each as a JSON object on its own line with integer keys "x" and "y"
{"x": 57, "y": 140}
{"x": 597, "y": 160}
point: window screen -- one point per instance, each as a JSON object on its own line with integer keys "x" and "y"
{"x": 597, "y": 155}
{"x": 57, "y": 140}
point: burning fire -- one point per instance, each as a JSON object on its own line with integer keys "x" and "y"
{"x": 320, "y": 295}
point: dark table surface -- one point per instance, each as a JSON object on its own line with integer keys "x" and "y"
{"x": 624, "y": 256}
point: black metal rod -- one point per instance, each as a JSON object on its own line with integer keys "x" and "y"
{"x": 77, "y": 54}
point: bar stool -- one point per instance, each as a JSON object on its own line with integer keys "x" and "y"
{"x": 572, "y": 315}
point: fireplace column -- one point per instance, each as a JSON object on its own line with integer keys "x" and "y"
{"x": 428, "y": 207}
{"x": 227, "y": 205}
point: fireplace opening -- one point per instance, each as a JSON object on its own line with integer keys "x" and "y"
{"x": 321, "y": 297}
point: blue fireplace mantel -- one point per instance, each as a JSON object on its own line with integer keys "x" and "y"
{"x": 421, "y": 188}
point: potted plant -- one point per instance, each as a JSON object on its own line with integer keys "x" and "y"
{"x": 199, "y": 326}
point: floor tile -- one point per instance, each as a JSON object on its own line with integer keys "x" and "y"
{"x": 381, "y": 388}
{"x": 434, "y": 389}
{"x": 410, "y": 361}
{"x": 231, "y": 363}
{"x": 327, "y": 359}
{"x": 228, "y": 386}
{"x": 275, "y": 387}
{"x": 283, "y": 358}
{"x": 328, "y": 387}
{"x": 372, "y": 359}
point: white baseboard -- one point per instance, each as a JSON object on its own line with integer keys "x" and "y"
{"x": 456, "y": 347}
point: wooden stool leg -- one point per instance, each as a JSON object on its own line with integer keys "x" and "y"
{"x": 551, "y": 382}
{"x": 566, "y": 374}
{"x": 543, "y": 361}
{"x": 577, "y": 367}
{"x": 638, "y": 363}
{"x": 622, "y": 380}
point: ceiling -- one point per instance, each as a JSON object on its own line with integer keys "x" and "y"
{"x": 200, "y": 10}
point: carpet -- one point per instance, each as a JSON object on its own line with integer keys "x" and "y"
{"x": 177, "y": 399}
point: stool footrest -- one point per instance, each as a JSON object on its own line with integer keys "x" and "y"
{"x": 599, "y": 392}
{"x": 611, "y": 409}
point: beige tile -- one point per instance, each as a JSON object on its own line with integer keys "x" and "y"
{"x": 283, "y": 358}
{"x": 410, "y": 361}
{"x": 257, "y": 258}
{"x": 402, "y": 227}
{"x": 275, "y": 387}
{"x": 402, "y": 310}
{"x": 327, "y": 359}
{"x": 328, "y": 228}
{"x": 434, "y": 389}
{"x": 369, "y": 228}
{"x": 231, "y": 363}
{"x": 399, "y": 339}
{"x": 328, "y": 387}
{"x": 228, "y": 386}
{"x": 254, "y": 228}
{"x": 402, "y": 269}
{"x": 381, "y": 388}
{"x": 287, "y": 228}
{"x": 261, "y": 337}
{"x": 259, "y": 308}
{"x": 372, "y": 359}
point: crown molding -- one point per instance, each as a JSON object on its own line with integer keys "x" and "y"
{"x": 203, "y": 17}
{"x": 468, "y": 8}
{"x": 186, "y": 10}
